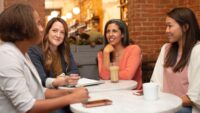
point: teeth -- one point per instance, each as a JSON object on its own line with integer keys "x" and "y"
{"x": 111, "y": 39}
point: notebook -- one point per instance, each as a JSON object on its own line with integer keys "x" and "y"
{"x": 88, "y": 82}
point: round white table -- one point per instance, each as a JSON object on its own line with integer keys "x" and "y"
{"x": 124, "y": 101}
{"x": 109, "y": 86}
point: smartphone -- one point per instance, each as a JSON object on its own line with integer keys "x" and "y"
{"x": 96, "y": 103}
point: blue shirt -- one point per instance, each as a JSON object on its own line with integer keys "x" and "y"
{"x": 37, "y": 58}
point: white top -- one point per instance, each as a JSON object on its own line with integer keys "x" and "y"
{"x": 20, "y": 84}
{"x": 124, "y": 101}
{"x": 109, "y": 86}
{"x": 193, "y": 75}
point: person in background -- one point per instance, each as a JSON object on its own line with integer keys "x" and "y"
{"x": 177, "y": 67}
{"x": 118, "y": 50}
{"x": 21, "y": 90}
{"x": 52, "y": 57}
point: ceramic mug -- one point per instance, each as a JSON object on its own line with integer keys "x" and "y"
{"x": 150, "y": 91}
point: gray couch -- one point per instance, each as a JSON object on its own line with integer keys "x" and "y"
{"x": 86, "y": 59}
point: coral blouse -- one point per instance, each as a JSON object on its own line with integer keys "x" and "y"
{"x": 129, "y": 65}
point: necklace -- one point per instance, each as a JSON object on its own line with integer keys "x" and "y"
{"x": 117, "y": 55}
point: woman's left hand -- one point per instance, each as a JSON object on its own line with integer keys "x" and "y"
{"x": 60, "y": 81}
{"x": 73, "y": 79}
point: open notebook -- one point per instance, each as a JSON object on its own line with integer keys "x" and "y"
{"x": 88, "y": 82}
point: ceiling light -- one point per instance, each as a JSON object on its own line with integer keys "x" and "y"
{"x": 76, "y": 10}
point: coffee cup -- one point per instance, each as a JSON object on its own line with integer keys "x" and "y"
{"x": 114, "y": 73}
{"x": 150, "y": 91}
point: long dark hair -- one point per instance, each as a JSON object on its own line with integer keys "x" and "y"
{"x": 184, "y": 17}
{"x": 124, "y": 30}
{"x": 63, "y": 48}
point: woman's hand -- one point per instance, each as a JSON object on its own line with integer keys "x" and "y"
{"x": 108, "y": 49}
{"x": 80, "y": 94}
{"x": 106, "y": 55}
{"x": 186, "y": 101}
{"x": 62, "y": 79}
{"x": 73, "y": 79}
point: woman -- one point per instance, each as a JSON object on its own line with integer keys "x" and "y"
{"x": 21, "y": 90}
{"x": 177, "y": 68}
{"x": 53, "y": 57}
{"x": 118, "y": 50}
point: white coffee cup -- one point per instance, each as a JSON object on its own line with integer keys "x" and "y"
{"x": 150, "y": 91}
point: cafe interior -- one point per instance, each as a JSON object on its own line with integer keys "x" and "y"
{"x": 146, "y": 25}
{"x": 82, "y": 11}
{"x": 145, "y": 19}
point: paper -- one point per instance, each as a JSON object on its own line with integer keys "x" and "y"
{"x": 88, "y": 82}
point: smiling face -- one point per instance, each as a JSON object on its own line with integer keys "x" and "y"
{"x": 114, "y": 35}
{"x": 56, "y": 34}
{"x": 173, "y": 30}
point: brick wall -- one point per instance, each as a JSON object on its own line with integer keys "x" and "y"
{"x": 36, "y": 4}
{"x": 146, "y": 22}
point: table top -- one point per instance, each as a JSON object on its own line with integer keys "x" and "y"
{"x": 123, "y": 101}
{"x": 109, "y": 86}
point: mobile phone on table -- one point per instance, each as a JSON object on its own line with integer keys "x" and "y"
{"x": 95, "y": 103}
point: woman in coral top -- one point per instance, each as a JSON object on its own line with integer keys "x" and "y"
{"x": 118, "y": 50}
